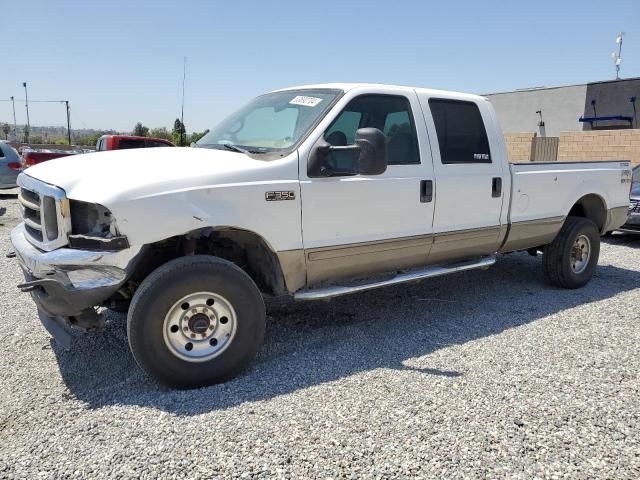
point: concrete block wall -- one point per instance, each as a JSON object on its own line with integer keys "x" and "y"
{"x": 519, "y": 146}
{"x": 576, "y": 146}
{"x": 600, "y": 145}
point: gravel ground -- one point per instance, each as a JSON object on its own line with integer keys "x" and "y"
{"x": 481, "y": 374}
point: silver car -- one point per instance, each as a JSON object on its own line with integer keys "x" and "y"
{"x": 10, "y": 166}
{"x": 633, "y": 222}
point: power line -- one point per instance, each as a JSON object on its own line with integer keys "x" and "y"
{"x": 66, "y": 103}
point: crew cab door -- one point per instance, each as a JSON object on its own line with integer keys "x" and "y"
{"x": 354, "y": 225}
{"x": 471, "y": 177}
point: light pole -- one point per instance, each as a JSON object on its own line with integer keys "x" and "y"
{"x": 184, "y": 76}
{"x": 15, "y": 126}
{"x": 26, "y": 104}
{"x": 66, "y": 102}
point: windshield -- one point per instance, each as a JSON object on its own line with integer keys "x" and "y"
{"x": 274, "y": 122}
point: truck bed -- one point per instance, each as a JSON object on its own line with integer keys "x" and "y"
{"x": 544, "y": 193}
{"x": 542, "y": 190}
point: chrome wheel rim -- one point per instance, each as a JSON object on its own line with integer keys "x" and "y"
{"x": 199, "y": 326}
{"x": 580, "y": 254}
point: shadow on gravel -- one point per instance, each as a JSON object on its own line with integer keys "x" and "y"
{"x": 316, "y": 342}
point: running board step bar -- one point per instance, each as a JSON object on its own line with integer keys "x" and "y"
{"x": 428, "y": 272}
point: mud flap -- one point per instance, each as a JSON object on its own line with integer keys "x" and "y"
{"x": 55, "y": 327}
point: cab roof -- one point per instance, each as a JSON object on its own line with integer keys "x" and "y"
{"x": 400, "y": 88}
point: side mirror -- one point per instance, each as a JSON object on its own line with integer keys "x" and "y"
{"x": 369, "y": 151}
{"x": 373, "y": 151}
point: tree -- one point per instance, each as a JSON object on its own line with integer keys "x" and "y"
{"x": 195, "y": 136}
{"x": 161, "y": 132}
{"x": 140, "y": 130}
{"x": 87, "y": 139}
{"x": 6, "y": 129}
{"x": 179, "y": 133}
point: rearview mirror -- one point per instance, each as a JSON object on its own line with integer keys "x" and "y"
{"x": 369, "y": 156}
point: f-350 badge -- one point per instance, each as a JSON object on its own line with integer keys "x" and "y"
{"x": 277, "y": 196}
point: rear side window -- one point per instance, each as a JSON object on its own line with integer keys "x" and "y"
{"x": 1, "y": 152}
{"x": 126, "y": 143}
{"x": 153, "y": 144}
{"x": 461, "y": 134}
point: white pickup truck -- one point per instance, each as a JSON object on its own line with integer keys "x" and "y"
{"x": 311, "y": 192}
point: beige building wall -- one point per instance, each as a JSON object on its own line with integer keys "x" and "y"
{"x": 519, "y": 146}
{"x": 600, "y": 145}
{"x": 576, "y": 146}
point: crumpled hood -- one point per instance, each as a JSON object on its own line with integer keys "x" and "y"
{"x": 120, "y": 175}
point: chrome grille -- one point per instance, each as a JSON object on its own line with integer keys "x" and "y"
{"x": 30, "y": 202}
{"x": 45, "y": 212}
{"x": 634, "y": 206}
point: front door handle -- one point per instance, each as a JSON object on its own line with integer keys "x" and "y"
{"x": 496, "y": 187}
{"x": 426, "y": 191}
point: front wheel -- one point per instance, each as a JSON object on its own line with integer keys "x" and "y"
{"x": 195, "y": 321}
{"x": 571, "y": 259}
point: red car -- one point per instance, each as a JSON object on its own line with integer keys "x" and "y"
{"x": 120, "y": 142}
{"x": 33, "y": 157}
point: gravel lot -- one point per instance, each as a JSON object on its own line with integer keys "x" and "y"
{"x": 482, "y": 374}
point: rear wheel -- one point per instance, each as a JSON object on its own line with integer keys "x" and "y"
{"x": 195, "y": 321}
{"x": 570, "y": 260}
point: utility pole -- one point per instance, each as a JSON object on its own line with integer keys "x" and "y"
{"x": 15, "y": 126}
{"x": 184, "y": 76}
{"x": 66, "y": 102}
{"x": 26, "y": 104}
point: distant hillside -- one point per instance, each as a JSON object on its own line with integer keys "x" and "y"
{"x": 58, "y": 132}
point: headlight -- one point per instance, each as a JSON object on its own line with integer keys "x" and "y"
{"x": 94, "y": 228}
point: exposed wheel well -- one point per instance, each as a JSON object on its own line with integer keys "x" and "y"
{"x": 246, "y": 249}
{"x": 592, "y": 207}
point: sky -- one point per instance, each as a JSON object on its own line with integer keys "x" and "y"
{"x": 120, "y": 62}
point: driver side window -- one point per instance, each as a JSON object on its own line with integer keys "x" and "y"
{"x": 389, "y": 113}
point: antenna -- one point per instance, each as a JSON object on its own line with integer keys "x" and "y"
{"x": 617, "y": 56}
{"x": 184, "y": 76}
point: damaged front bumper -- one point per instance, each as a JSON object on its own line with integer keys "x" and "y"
{"x": 66, "y": 284}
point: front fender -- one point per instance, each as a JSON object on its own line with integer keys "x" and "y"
{"x": 153, "y": 218}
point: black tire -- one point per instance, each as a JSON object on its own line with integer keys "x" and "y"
{"x": 166, "y": 286}
{"x": 557, "y": 255}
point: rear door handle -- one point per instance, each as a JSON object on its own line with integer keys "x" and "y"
{"x": 426, "y": 191}
{"x": 496, "y": 187}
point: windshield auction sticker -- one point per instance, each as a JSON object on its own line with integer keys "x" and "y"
{"x": 306, "y": 101}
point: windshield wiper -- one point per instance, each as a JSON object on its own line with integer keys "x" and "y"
{"x": 238, "y": 149}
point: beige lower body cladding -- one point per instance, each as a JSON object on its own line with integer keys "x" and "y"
{"x": 309, "y": 268}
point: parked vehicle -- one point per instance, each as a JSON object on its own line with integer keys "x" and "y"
{"x": 10, "y": 166}
{"x": 632, "y": 225}
{"x": 122, "y": 142}
{"x": 31, "y": 157}
{"x": 311, "y": 192}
